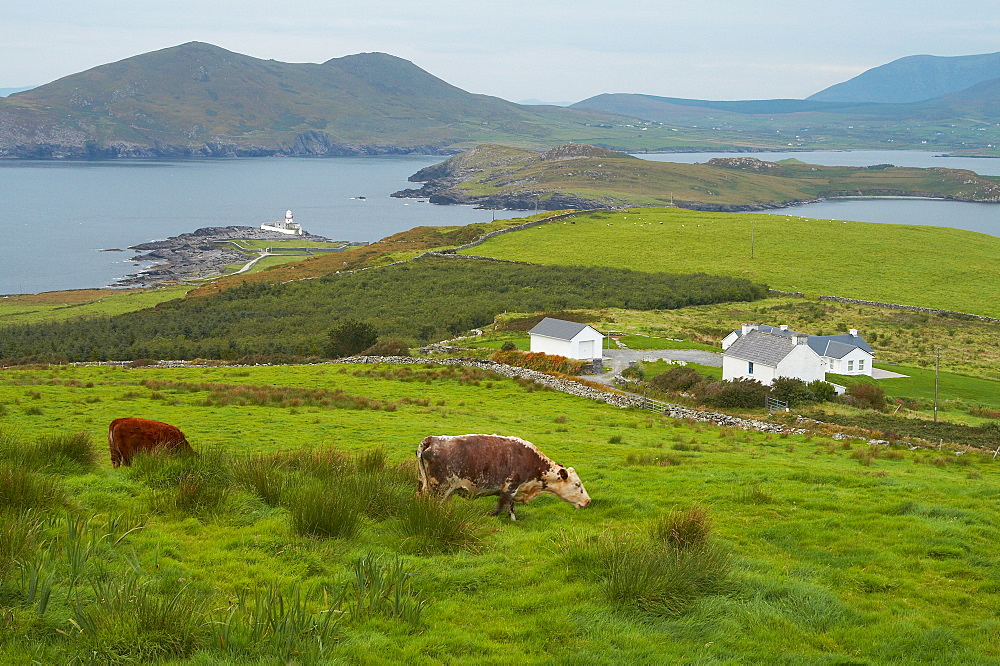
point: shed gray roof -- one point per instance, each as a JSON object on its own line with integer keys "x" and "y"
{"x": 557, "y": 328}
{"x": 761, "y": 347}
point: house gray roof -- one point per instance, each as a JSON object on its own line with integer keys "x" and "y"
{"x": 822, "y": 344}
{"x": 557, "y": 328}
{"x": 761, "y": 347}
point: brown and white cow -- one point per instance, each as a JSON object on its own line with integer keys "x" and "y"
{"x": 481, "y": 465}
{"x": 129, "y": 435}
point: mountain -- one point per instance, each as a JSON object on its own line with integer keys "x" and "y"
{"x": 914, "y": 79}
{"x": 10, "y": 91}
{"x": 199, "y": 99}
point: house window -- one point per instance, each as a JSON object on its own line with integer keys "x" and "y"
{"x": 850, "y": 366}
{"x": 749, "y": 367}
{"x": 861, "y": 364}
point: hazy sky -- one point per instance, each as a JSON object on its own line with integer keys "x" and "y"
{"x": 553, "y": 50}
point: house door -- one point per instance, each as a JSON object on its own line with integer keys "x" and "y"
{"x": 586, "y": 349}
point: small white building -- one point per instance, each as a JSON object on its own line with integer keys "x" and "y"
{"x": 287, "y": 226}
{"x": 765, "y": 356}
{"x": 566, "y": 338}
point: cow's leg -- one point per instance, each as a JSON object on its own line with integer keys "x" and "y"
{"x": 506, "y": 502}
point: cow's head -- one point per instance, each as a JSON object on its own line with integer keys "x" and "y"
{"x": 565, "y": 484}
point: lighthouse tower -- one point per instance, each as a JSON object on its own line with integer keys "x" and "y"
{"x": 286, "y": 226}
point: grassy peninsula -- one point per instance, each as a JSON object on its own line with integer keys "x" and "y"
{"x": 581, "y": 176}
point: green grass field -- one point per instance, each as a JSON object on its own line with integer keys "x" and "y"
{"x": 62, "y": 305}
{"x": 912, "y": 265}
{"x": 836, "y": 552}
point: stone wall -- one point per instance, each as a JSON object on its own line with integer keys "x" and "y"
{"x": 910, "y": 308}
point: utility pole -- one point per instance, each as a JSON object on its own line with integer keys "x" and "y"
{"x": 937, "y": 372}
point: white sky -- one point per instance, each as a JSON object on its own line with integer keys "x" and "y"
{"x": 553, "y": 50}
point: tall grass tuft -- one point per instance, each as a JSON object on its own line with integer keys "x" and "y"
{"x": 18, "y": 539}
{"x": 190, "y": 484}
{"x": 77, "y": 448}
{"x": 683, "y": 529}
{"x": 659, "y": 579}
{"x": 281, "y": 623}
{"x": 325, "y": 510}
{"x": 263, "y": 476}
{"x": 429, "y": 525}
{"x": 382, "y": 587}
{"x": 65, "y": 453}
{"x": 22, "y": 489}
{"x": 129, "y": 621}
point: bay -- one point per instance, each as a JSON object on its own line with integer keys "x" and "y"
{"x": 58, "y": 216}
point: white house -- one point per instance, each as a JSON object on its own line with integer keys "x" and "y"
{"x": 765, "y": 356}
{"x": 845, "y": 354}
{"x": 287, "y": 226}
{"x": 566, "y": 338}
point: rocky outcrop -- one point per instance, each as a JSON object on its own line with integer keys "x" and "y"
{"x": 200, "y": 254}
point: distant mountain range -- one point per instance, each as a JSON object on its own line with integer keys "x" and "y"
{"x": 914, "y": 79}
{"x": 201, "y": 100}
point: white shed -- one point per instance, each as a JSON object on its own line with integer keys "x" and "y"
{"x": 566, "y": 338}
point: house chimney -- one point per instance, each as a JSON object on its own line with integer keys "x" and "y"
{"x": 749, "y": 327}
{"x": 784, "y": 327}
{"x": 854, "y": 332}
{"x": 799, "y": 339}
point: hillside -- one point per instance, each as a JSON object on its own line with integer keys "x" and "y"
{"x": 881, "y": 262}
{"x": 578, "y": 176}
{"x": 201, "y": 100}
{"x": 966, "y": 122}
{"x": 914, "y": 79}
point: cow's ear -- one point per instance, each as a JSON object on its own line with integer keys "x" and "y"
{"x": 563, "y": 474}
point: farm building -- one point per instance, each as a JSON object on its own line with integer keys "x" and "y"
{"x": 566, "y": 338}
{"x": 765, "y": 356}
{"x": 846, "y": 354}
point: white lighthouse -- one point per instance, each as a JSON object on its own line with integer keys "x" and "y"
{"x": 287, "y": 226}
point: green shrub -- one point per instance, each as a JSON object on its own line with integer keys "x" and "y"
{"x": 635, "y": 372}
{"x": 867, "y": 396}
{"x": 677, "y": 378}
{"x": 508, "y": 346}
{"x": 790, "y": 390}
{"x": 388, "y": 348}
{"x": 350, "y": 337}
{"x": 822, "y": 391}
{"x": 738, "y": 393}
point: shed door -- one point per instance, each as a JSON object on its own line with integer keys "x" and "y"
{"x": 586, "y": 349}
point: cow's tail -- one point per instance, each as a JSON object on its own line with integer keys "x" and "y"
{"x": 423, "y": 455}
{"x": 116, "y": 455}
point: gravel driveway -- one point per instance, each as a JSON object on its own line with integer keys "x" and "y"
{"x": 618, "y": 359}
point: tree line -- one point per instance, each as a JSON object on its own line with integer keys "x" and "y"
{"x": 417, "y": 302}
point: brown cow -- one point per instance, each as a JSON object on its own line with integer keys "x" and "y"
{"x": 481, "y": 465}
{"x": 130, "y": 435}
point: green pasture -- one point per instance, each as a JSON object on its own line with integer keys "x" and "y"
{"x": 56, "y": 306}
{"x": 956, "y": 393}
{"x": 654, "y": 368}
{"x": 932, "y": 267}
{"x": 837, "y": 552}
{"x": 248, "y": 244}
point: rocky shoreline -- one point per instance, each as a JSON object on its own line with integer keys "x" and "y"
{"x": 199, "y": 254}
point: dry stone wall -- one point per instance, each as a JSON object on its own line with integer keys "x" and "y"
{"x": 911, "y": 308}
